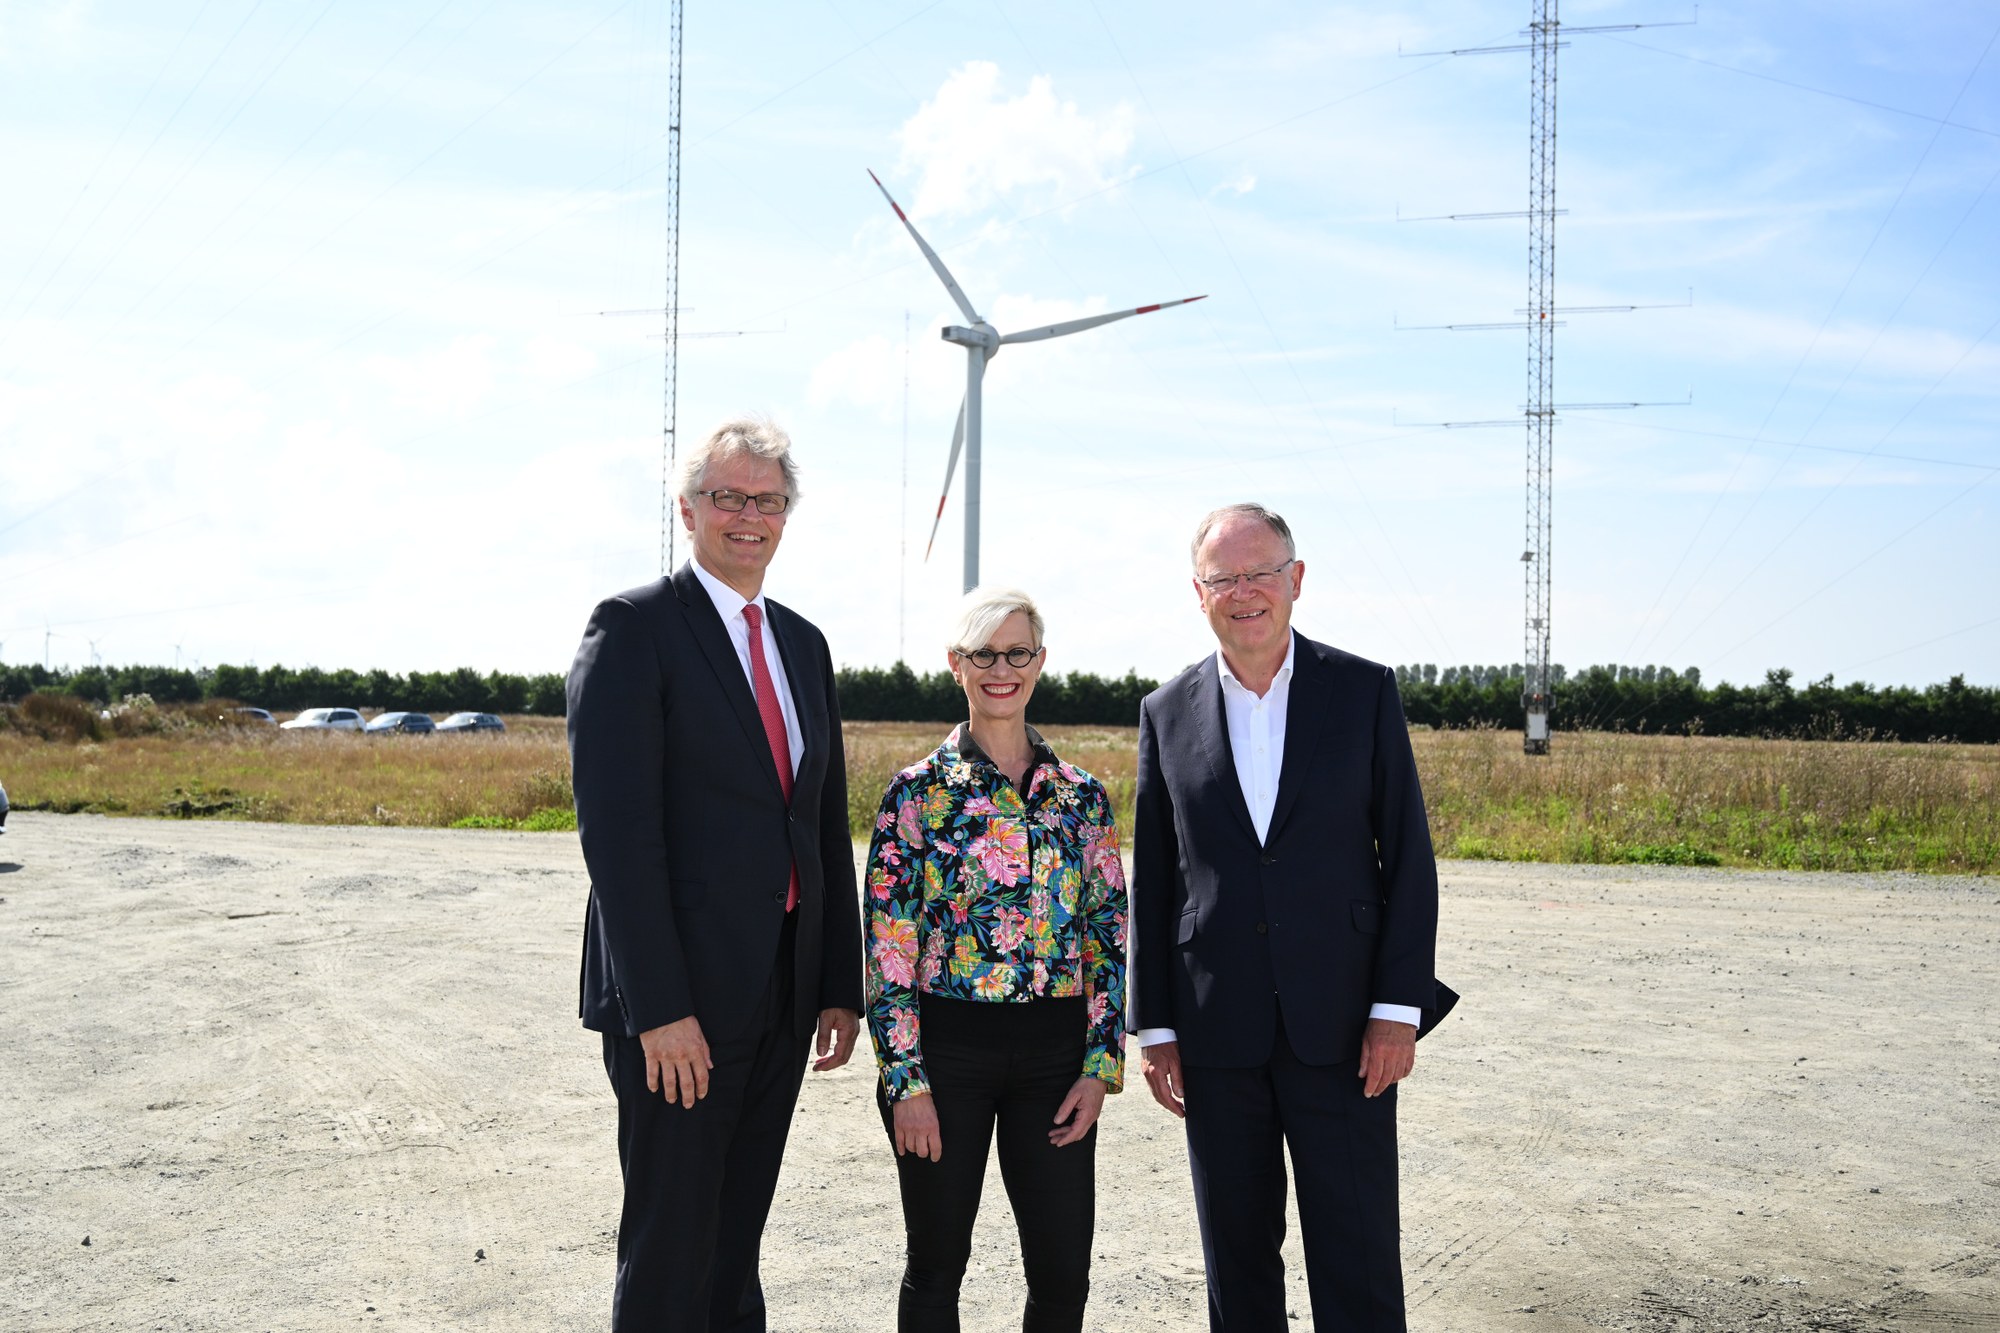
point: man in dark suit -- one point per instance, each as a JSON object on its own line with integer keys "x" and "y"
{"x": 1284, "y": 926}
{"x": 723, "y": 929}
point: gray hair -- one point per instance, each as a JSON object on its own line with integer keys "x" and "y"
{"x": 982, "y": 613}
{"x": 1248, "y": 509}
{"x": 752, "y": 434}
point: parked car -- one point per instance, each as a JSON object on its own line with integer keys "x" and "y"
{"x": 413, "y": 723}
{"x": 248, "y": 714}
{"x": 472, "y": 722}
{"x": 325, "y": 719}
{"x": 3, "y": 809}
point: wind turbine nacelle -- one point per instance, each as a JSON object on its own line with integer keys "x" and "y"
{"x": 982, "y": 336}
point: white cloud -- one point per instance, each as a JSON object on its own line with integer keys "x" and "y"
{"x": 556, "y": 360}
{"x": 1243, "y": 182}
{"x": 866, "y": 373}
{"x": 971, "y": 145}
{"x": 450, "y": 381}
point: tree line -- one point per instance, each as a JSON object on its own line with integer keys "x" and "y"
{"x": 288, "y": 689}
{"x": 1600, "y": 698}
{"x": 1659, "y": 699}
{"x": 867, "y": 694}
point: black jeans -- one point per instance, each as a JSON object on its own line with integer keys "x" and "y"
{"x": 1005, "y": 1067}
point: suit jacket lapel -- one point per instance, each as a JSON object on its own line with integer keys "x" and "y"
{"x": 713, "y": 636}
{"x": 1205, "y": 702}
{"x": 1305, "y": 720}
{"x": 804, "y": 684}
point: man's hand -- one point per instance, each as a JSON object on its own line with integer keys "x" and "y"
{"x": 837, "y": 1030}
{"x": 1080, "y": 1109}
{"x": 1388, "y": 1054}
{"x": 1161, "y": 1064}
{"x": 916, "y": 1124}
{"x": 677, "y": 1060}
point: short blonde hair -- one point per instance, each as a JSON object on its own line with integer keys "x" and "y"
{"x": 752, "y": 434}
{"x": 984, "y": 611}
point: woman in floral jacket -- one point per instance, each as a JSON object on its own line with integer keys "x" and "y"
{"x": 996, "y": 980}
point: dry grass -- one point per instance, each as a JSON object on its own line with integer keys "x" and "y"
{"x": 307, "y": 777}
{"x": 1800, "y": 805}
{"x": 1598, "y": 798}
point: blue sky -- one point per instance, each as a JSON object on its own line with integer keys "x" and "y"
{"x": 299, "y": 358}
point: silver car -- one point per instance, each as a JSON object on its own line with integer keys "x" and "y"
{"x": 325, "y": 719}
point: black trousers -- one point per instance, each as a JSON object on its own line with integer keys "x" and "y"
{"x": 999, "y": 1071}
{"x": 1343, "y": 1151}
{"x": 699, "y": 1180}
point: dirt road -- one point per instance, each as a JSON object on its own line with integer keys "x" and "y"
{"x": 286, "y": 1077}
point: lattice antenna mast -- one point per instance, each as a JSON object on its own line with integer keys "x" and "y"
{"x": 668, "y": 443}
{"x": 1536, "y": 684}
{"x": 1545, "y": 33}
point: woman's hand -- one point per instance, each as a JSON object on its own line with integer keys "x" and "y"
{"x": 1080, "y": 1110}
{"x": 916, "y": 1123}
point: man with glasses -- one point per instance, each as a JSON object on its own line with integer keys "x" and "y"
{"x": 1284, "y": 927}
{"x": 723, "y": 929}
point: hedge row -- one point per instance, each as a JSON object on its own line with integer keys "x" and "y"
{"x": 1658, "y": 699}
{"x": 872, "y": 694}
{"x": 1602, "y": 698}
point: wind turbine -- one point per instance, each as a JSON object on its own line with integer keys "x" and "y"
{"x": 982, "y": 342}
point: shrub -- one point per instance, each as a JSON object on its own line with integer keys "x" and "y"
{"x": 58, "y": 717}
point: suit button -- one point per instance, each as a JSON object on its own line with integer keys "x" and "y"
{"x": 1268, "y": 858}
{"x": 1262, "y": 928}
{"x": 779, "y": 898}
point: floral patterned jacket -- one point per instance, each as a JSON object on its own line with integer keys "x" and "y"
{"x": 978, "y": 891}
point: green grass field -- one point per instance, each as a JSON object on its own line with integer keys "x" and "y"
{"x": 1832, "y": 805}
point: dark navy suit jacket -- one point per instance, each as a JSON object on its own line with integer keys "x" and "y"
{"x": 1334, "y": 911}
{"x": 686, "y": 834}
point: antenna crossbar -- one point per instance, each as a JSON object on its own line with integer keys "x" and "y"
{"x": 1473, "y": 217}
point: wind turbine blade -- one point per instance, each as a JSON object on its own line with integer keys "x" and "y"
{"x": 957, "y": 440}
{"x": 1091, "y": 322}
{"x": 944, "y": 274}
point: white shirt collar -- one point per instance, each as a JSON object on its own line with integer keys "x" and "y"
{"x": 727, "y": 600}
{"x": 1284, "y": 672}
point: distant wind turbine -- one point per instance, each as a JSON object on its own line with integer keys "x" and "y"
{"x": 982, "y": 343}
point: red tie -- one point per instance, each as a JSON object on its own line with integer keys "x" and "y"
{"x": 774, "y": 723}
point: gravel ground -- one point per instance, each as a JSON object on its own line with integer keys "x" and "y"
{"x": 283, "y": 1077}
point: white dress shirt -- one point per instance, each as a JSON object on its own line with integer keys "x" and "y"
{"x": 729, "y": 604}
{"x": 1257, "y": 744}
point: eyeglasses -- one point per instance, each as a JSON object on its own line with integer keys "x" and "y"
{"x": 1223, "y": 584}
{"x": 986, "y": 657}
{"x": 732, "y": 502}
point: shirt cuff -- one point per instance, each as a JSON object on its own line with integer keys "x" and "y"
{"x": 1399, "y": 1013}
{"x": 1154, "y": 1036}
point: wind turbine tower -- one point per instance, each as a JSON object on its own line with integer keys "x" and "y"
{"x": 982, "y": 342}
